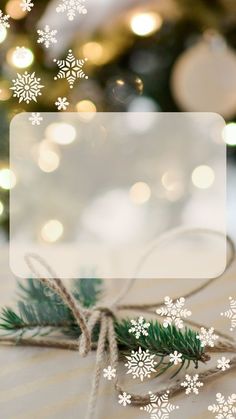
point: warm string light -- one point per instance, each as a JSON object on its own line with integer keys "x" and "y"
{"x": 140, "y": 193}
{"x": 145, "y": 24}
{"x": 14, "y": 10}
{"x": 3, "y": 33}
{"x": 48, "y": 158}
{"x": 229, "y": 134}
{"x": 20, "y": 57}
{"x": 87, "y": 109}
{"x": 1, "y": 208}
{"x": 61, "y": 133}
{"x": 7, "y": 179}
{"x": 52, "y": 231}
{"x": 203, "y": 177}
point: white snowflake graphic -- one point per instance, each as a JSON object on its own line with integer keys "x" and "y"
{"x": 26, "y": 87}
{"x": 124, "y": 399}
{"x": 70, "y": 69}
{"x": 62, "y": 103}
{"x": 176, "y": 358}
{"x": 109, "y": 373}
{"x": 139, "y": 327}
{"x": 26, "y": 5}
{"x": 223, "y": 363}
{"x": 140, "y": 364}
{"x": 207, "y": 337}
{"x": 231, "y": 313}
{"x": 35, "y": 118}
{"x": 174, "y": 312}
{"x": 47, "y": 36}
{"x": 159, "y": 407}
{"x": 71, "y": 7}
{"x": 224, "y": 408}
{"x": 191, "y": 384}
{"x": 4, "y": 20}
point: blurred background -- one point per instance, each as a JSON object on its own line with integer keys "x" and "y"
{"x": 147, "y": 56}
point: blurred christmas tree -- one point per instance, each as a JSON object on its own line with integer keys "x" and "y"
{"x": 142, "y": 56}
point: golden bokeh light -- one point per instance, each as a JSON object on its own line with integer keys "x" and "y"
{"x": 140, "y": 193}
{"x": 229, "y": 134}
{"x": 61, "y": 133}
{"x": 52, "y": 231}
{"x": 14, "y": 10}
{"x": 20, "y": 57}
{"x": 145, "y": 24}
{"x": 1, "y": 208}
{"x": 87, "y": 109}
{"x": 7, "y": 179}
{"x": 203, "y": 177}
{"x": 3, "y": 33}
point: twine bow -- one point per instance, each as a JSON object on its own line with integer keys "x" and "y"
{"x": 105, "y": 316}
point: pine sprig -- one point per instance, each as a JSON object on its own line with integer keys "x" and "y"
{"x": 40, "y": 311}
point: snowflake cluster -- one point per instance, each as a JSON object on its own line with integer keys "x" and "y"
{"x": 224, "y": 408}
{"x": 71, "y": 7}
{"x": 139, "y": 327}
{"x": 174, "y": 312}
{"x": 47, "y": 36}
{"x": 159, "y": 407}
{"x": 207, "y": 337}
{"x": 4, "y": 20}
{"x": 231, "y": 313}
{"x": 140, "y": 364}
{"x": 191, "y": 384}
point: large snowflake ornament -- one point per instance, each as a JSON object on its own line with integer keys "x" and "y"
{"x": 207, "y": 337}
{"x": 26, "y": 5}
{"x": 139, "y": 327}
{"x": 174, "y": 312}
{"x": 71, "y": 7}
{"x": 191, "y": 384}
{"x": 70, "y": 69}
{"x": 47, "y": 36}
{"x": 140, "y": 364}
{"x": 4, "y": 20}
{"x": 224, "y": 408}
{"x": 124, "y": 399}
{"x": 159, "y": 407}
{"x": 26, "y": 87}
{"x": 231, "y": 313}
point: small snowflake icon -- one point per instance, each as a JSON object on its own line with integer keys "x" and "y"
{"x": 62, "y": 103}
{"x": 26, "y": 87}
{"x": 139, "y": 327}
{"x": 174, "y": 312}
{"x": 207, "y": 337}
{"x": 176, "y": 358}
{"x": 72, "y": 7}
{"x": 140, "y": 364}
{"x": 159, "y": 407}
{"x": 124, "y": 399}
{"x": 70, "y": 69}
{"x": 109, "y": 373}
{"x": 4, "y": 20}
{"x": 224, "y": 408}
{"x": 223, "y": 363}
{"x": 35, "y": 118}
{"x": 192, "y": 384}
{"x": 26, "y": 5}
{"x": 231, "y": 313}
{"x": 47, "y": 36}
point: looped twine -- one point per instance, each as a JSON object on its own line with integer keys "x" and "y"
{"x": 106, "y": 316}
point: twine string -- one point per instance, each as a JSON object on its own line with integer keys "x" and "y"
{"x": 105, "y": 315}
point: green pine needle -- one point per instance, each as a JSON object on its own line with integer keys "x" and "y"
{"x": 40, "y": 311}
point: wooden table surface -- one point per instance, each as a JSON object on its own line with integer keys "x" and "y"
{"x": 51, "y": 383}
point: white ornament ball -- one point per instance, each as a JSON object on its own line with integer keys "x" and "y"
{"x": 204, "y": 78}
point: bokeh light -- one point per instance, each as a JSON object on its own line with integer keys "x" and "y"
{"x": 61, "y": 133}
{"x": 87, "y": 108}
{"x": 144, "y": 24}
{"x": 3, "y": 33}
{"x": 203, "y": 177}
{"x": 20, "y": 57}
{"x": 14, "y": 10}
{"x": 140, "y": 193}
{"x": 229, "y": 134}
{"x": 48, "y": 160}
{"x": 1, "y": 208}
{"x": 52, "y": 231}
{"x": 7, "y": 179}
